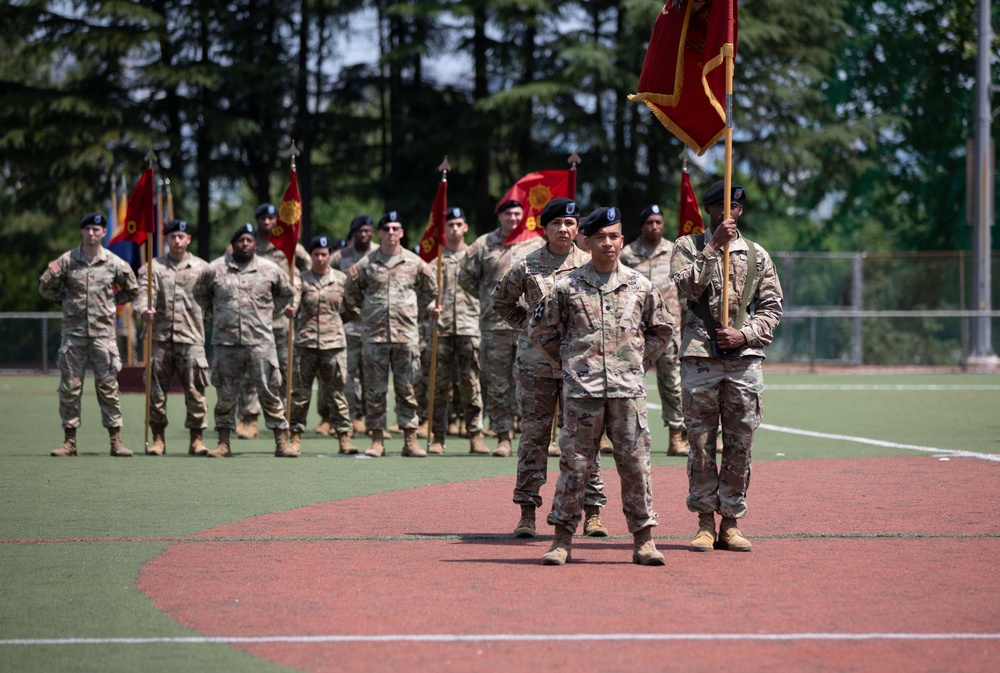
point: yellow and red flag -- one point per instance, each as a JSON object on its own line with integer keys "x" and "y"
{"x": 690, "y": 210}
{"x": 683, "y": 79}
{"x": 285, "y": 234}
{"x": 533, "y": 191}
{"x": 433, "y": 238}
{"x": 140, "y": 211}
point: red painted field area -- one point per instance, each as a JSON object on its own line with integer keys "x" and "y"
{"x": 466, "y": 588}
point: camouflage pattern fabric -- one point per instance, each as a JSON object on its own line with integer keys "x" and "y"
{"x": 458, "y": 363}
{"x": 344, "y": 259}
{"x": 319, "y": 324}
{"x": 101, "y": 353}
{"x": 459, "y": 307}
{"x": 260, "y": 362}
{"x": 486, "y": 262}
{"x": 189, "y": 363}
{"x": 178, "y": 318}
{"x": 499, "y": 349}
{"x": 404, "y": 362}
{"x": 388, "y": 293}
{"x": 330, "y": 367}
{"x": 303, "y": 262}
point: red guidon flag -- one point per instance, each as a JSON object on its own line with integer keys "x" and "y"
{"x": 690, "y": 210}
{"x": 533, "y": 191}
{"x": 433, "y": 238}
{"x": 140, "y": 212}
{"x": 285, "y": 234}
{"x": 683, "y": 79}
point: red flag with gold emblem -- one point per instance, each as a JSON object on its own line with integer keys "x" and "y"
{"x": 683, "y": 79}
{"x": 140, "y": 212}
{"x": 433, "y": 238}
{"x": 690, "y": 210}
{"x": 285, "y": 234}
{"x": 533, "y": 191}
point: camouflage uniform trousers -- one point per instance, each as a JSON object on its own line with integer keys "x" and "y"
{"x": 733, "y": 390}
{"x": 102, "y": 355}
{"x": 668, "y": 384}
{"x": 458, "y": 364}
{"x": 189, "y": 363}
{"x": 499, "y": 349}
{"x": 538, "y": 399}
{"x": 403, "y": 359}
{"x": 232, "y": 366}
{"x": 249, "y": 402}
{"x": 355, "y": 377}
{"x": 580, "y": 441}
{"x": 423, "y": 382}
{"x": 330, "y": 367}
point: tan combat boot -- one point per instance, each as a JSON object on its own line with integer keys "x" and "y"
{"x": 678, "y": 443}
{"x": 118, "y": 449}
{"x": 282, "y": 447}
{"x": 453, "y": 429}
{"x": 247, "y": 427}
{"x": 607, "y": 448}
{"x": 221, "y": 449}
{"x": 554, "y": 450}
{"x": 437, "y": 446}
{"x": 644, "y": 550}
{"x": 559, "y": 553}
{"x": 411, "y": 447}
{"x": 704, "y": 540}
{"x": 196, "y": 447}
{"x": 422, "y": 430}
{"x": 344, "y": 438}
{"x": 592, "y": 526}
{"x": 295, "y": 441}
{"x": 526, "y": 526}
{"x": 377, "y": 448}
{"x": 159, "y": 445}
{"x": 324, "y": 427}
{"x": 68, "y": 447}
{"x": 358, "y": 426}
{"x": 731, "y": 538}
{"x": 503, "y": 449}
{"x": 477, "y": 445}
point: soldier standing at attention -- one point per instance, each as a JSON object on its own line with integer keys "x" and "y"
{"x": 248, "y": 408}
{"x": 539, "y": 387}
{"x": 458, "y": 342}
{"x": 360, "y": 238}
{"x": 387, "y": 289}
{"x": 650, "y": 254}
{"x": 486, "y": 263}
{"x": 89, "y": 281}
{"x": 242, "y": 292}
{"x": 603, "y": 325}
{"x": 178, "y": 337}
{"x": 320, "y": 347}
{"x": 721, "y": 365}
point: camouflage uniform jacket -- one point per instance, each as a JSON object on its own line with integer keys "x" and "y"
{"x": 344, "y": 259}
{"x": 603, "y": 336}
{"x": 487, "y": 261}
{"x": 459, "y": 308}
{"x": 88, "y": 290}
{"x": 322, "y": 299}
{"x": 388, "y": 293}
{"x": 694, "y": 271}
{"x": 241, "y": 300}
{"x": 531, "y": 279}
{"x": 654, "y": 263}
{"x": 178, "y": 318}
{"x": 303, "y": 262}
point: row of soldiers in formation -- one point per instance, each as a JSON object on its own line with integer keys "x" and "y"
{"x": 562, "y": 328}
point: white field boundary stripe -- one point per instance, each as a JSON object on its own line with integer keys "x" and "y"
{"x": 498, "y": 637}
{"x": 880, "y": 386}
{"x": 889, "y": 445}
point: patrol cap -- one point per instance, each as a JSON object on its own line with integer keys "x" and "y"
{"x": 561, "y": 207}
{"x": 647, "y": 211}
{"x": 243, "y": 229}
{"x": 507, "y": 205}
{"x": 94, "y": 218}
{"x": 321, "y": 242}
{"x": 176, "y": 225}
{"x": 360, "y": 221}
{"x": 716, "y": 191}
{"x": 600, "y": 218}
{"x": 265, "y": 209}
{"x": 391, "y": 216}
{"x": 454, "y": 214}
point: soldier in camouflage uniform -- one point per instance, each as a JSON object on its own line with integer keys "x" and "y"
{"x": 361, "y": 244}
{"x": 721, "y": 364}
{"x": 487, "y": 261}
{"x": 178, "y": 337}
{"x": 242, "y": 292}
{"x": 387, "y": 289}
{"x": 248, "y": 407}
{"x": 538, "y": 386}
{"x": 650, "y": 255}
{"x": 603, "y": 325}
{"x": 320, "y": 347}
{"x": 458, "y": 343}
{"x": 89, "y": 281}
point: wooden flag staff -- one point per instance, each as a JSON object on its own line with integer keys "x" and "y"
{"x": 432, "y": 378}
{"x": 148, "y": 340}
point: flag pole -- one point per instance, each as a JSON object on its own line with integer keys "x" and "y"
{"x": 432, "y": 377}
{"x": 293, "y": 152}
{"x": 170, "y": 201}
{"x": 159, "y": 218}
{"x": 728, "y": 179}
{"x": 574, "y": 160}
{"x": 150, "y": 157}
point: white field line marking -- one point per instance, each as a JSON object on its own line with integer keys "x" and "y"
{"x": 877, "y": 442}
{"x": 499, "y": 637}
{"x": 886, "y": 386}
